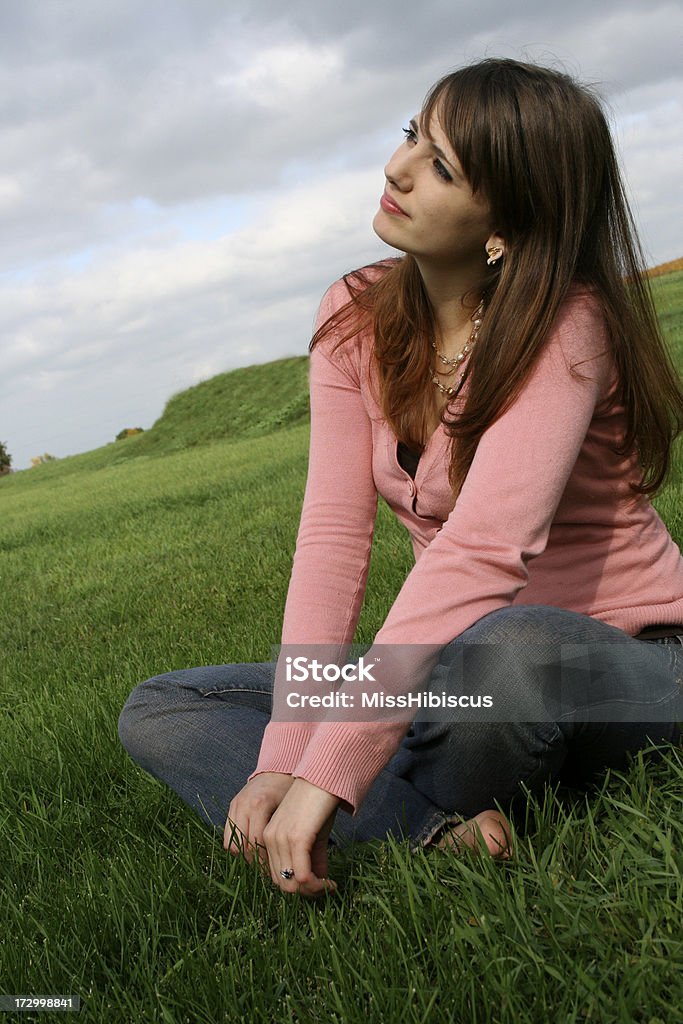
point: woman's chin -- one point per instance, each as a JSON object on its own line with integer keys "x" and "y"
{"x": 384, "y": 232}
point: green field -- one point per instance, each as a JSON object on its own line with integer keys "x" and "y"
{"x": 172, "y": 549}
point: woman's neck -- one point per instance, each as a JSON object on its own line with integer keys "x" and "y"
{"x": 453, "y": 295}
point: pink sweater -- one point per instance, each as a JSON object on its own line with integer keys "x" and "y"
{"x": 545, "y": 517}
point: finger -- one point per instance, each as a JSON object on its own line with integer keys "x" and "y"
{"x": 244, "y": 837}
{"x": 238, "y": 842}
{"x": 317, "y": 888}
{"x": 290, "y": 860}
{"x": 319, "y": 858}
{"x": 281, "y": 870}
{"x": 323, "y": 887}
{"x": 234, "y": 839}
{"x": 256, "y": 846}
{"x": 235, "y": 829}
{"x": 281, "y": 863}
{"x": 310, "y": 886}
{"x": 308, "y": 882}
{"x": 260, "y": 857}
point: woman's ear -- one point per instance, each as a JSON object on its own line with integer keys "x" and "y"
{"x": 495, "y": 248}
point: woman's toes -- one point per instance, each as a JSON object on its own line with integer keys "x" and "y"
{"x": 491, "y": 825}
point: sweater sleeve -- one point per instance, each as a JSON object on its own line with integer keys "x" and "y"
{"x": 332, "y": 556}
{"x": 478, "y": 561}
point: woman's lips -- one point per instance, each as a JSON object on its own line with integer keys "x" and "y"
{"x": 389, "y": 206}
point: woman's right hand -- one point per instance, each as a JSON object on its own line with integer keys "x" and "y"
{"x": 251, "y": 810}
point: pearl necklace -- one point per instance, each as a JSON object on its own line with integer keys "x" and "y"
{"x": 460, "y": 358}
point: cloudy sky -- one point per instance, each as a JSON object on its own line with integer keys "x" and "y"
{"x": 180, "y": 180}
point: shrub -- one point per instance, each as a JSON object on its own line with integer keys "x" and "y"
{"x": 5, "y": 459}
{"x": 40, "y": 460}
{"x": 128, "y": 432}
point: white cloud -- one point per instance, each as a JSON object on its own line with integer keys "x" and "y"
{"x": 650, "y": 141}
{"x": 282, "y": 76}
{"x": 10, "y": 192}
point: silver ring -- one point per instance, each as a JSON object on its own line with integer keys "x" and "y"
{"x": 287, "y": 873}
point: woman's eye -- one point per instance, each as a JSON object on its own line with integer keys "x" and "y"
{"x": 411, "y": 137}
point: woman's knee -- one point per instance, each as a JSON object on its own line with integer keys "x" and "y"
{"x": 528, "y": 624}
{"x": 163, "y": 716}
{"x": 523, "y": 659}
{"x": 496, "y": 676}
{"x": 144, "y": 716}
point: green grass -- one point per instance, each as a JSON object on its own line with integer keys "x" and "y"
{"x": 137, "y": 558}
{"x": 668, "y": 295}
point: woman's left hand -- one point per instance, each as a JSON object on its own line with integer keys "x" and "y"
{"x": 296, "y": 839}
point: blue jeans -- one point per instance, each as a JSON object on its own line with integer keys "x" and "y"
{"x": 199, "y": 730}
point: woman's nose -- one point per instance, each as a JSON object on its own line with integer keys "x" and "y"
{"x": 397, "y": 171}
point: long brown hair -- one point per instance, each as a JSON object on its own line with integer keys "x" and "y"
{"x": 536, "y": 145}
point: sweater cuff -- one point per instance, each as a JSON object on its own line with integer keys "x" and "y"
{"x": 345, "y": 761}
{"x": 282, "y": 747}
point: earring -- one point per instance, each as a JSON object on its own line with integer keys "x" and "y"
{"x": 494, "y": 253}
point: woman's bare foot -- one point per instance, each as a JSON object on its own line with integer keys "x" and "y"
{"x": 491, "y": 825}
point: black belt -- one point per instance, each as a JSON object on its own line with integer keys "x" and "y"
{"x": 659, "y": 632}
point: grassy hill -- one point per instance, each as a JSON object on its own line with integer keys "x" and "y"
{"x": 172, "y": 549}
{"x": 245, "y": 403}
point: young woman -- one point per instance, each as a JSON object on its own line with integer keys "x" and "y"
{"x": 505, "y": 388}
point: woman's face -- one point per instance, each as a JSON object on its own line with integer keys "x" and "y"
{"x": 428, "y": 208}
